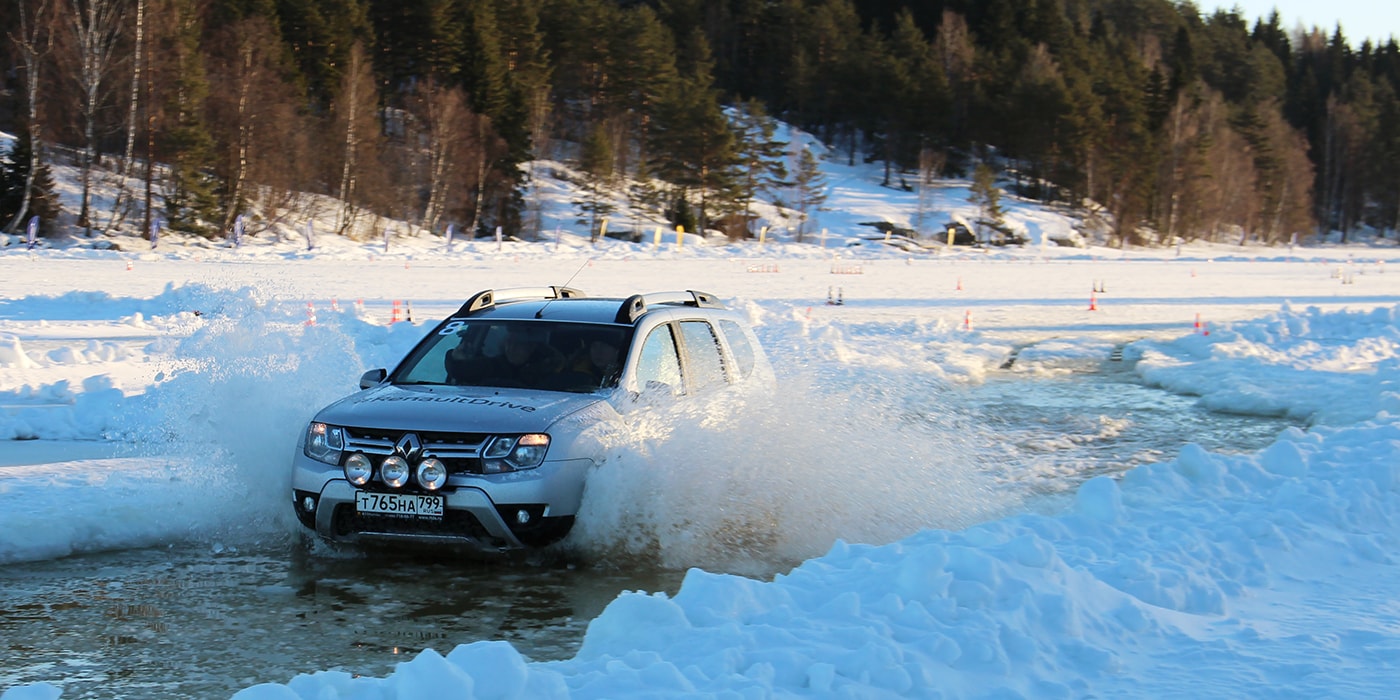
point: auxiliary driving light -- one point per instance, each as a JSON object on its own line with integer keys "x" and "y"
{"x": 358, "y": 469}
{"x": 394, "y": 471}
{"x": 522, "y": 516}
{"x": 431, "y": 474}
{"x": 308, "y": 504}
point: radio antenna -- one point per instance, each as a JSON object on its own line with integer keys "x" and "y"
{"x": 540, "y": 313}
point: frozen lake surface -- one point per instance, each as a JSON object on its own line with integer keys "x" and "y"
{"x": 206, "y": 618}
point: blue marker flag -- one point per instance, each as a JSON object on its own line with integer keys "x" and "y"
{"x": 450, "y": 231}
{"x": 155, "y": 232}
{"x": 238, "y": 231}
{"x": 32, "y": 232}
{"x": 310, "y": 234}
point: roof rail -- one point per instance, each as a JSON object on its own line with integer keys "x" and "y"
{"x": 634, "y": 306}
{"x": 488, "y": 298}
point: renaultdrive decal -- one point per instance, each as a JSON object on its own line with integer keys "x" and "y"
{"x": 450, "y": 399}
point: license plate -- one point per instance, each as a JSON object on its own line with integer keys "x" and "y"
{"x": 410, "y": 505}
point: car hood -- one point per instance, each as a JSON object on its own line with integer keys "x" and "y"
{"x": 454, "y": 409}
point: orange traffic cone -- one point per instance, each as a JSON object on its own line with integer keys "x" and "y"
{"x": 1093, "y": 302}
{"x": 967, "y": 320}
{"x": 397, "y": 314}
{"x": 310, "y": 314}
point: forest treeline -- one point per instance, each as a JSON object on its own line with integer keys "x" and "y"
{"x": 1169, "y": 122}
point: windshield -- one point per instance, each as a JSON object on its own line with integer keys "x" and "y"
{"x": 550, "y": 355}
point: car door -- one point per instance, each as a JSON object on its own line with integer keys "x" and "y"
{"x": 658, "y": 370}
{"x": 702, "y": 359}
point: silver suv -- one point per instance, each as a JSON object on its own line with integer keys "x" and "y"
{"x": 482, "y": 436}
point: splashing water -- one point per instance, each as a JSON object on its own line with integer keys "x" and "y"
{"x": 752, "y": 485}
{"x": 234, "y": 398}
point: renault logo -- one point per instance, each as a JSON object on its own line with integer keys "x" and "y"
{"x": 409, "y": 446}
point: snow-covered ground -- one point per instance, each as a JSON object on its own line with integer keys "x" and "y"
{"x": 139, "y": 388}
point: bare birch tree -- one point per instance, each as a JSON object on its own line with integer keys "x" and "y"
{"x": 489, "y": 147}
{"x": 931, "y": 162}
{"x": 1289, "y": 211}
{"x": 33, "y": 40}
{"x": 122, "y": 204}
{"x": 446, "y": 130}
{"x": 355, "y": 112}
{"x": 252, "y": 111}
{"x": 1180, "y": 136}
{"x": 96, "y": 27}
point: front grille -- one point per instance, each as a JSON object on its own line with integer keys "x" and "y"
{"x": 460, "y": 452}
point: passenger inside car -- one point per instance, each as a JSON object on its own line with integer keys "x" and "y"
{"x": 520, "y": 356}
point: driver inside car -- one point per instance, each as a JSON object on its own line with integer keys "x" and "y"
{"x": 525, "y": 359}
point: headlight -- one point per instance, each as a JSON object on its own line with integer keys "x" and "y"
{"x": 324, "y": 443}
{"x": 394, "y": 471}
{"x": 358, "y": 469}
{"x": 431, "y": 474}
{"x": 509, "y": 453}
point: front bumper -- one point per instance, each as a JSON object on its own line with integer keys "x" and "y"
{"x": 478, "y": 514}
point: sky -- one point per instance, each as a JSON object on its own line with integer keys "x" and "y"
{"x": 1360, "y": 19}
{"x": 1268, "y": 573}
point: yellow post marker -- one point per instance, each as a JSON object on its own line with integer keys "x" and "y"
{"x": 680, "y": 236}
{"x": 823, "y": 238}
{"x": 763, "y": 235}
{"x": 657, "y": 237}
{"x": 950, "y": 236}
{"x": 603, "y": 229}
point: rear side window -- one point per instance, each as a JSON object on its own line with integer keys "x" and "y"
{"x": 658, "y": 362}
{"x": 739, "y": 345}
{"x": 704, "y": 365}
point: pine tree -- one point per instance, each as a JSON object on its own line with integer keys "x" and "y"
{"x": 987, "y": 196}
{"x": 641, "y": 77}
{"x": 320, "y": 35}
{"x": 32, "y": 42}
{"x": 760, "y": 154}
{"x": 922, "y": 100}
{"x": 14, "y": 173}
{"x": 693, "y": 142}
{"x": 595, "y": 160}
{"x": 486, "y": 75}
{"x": 416, "y": 39}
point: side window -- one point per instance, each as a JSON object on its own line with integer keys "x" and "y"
{"x": 739, "y": 345}
{"x": 658, "y": 361}
{"x": 704, "y": 365}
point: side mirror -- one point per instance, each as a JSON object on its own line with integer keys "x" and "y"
{"x": 373, "y": 377}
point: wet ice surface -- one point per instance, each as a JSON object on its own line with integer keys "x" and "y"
{"x": 205, "y": 619}
{"x": 1057, "y": 431}
{"x": 1056, "y": 437}
{"x": 202, "y": 621}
